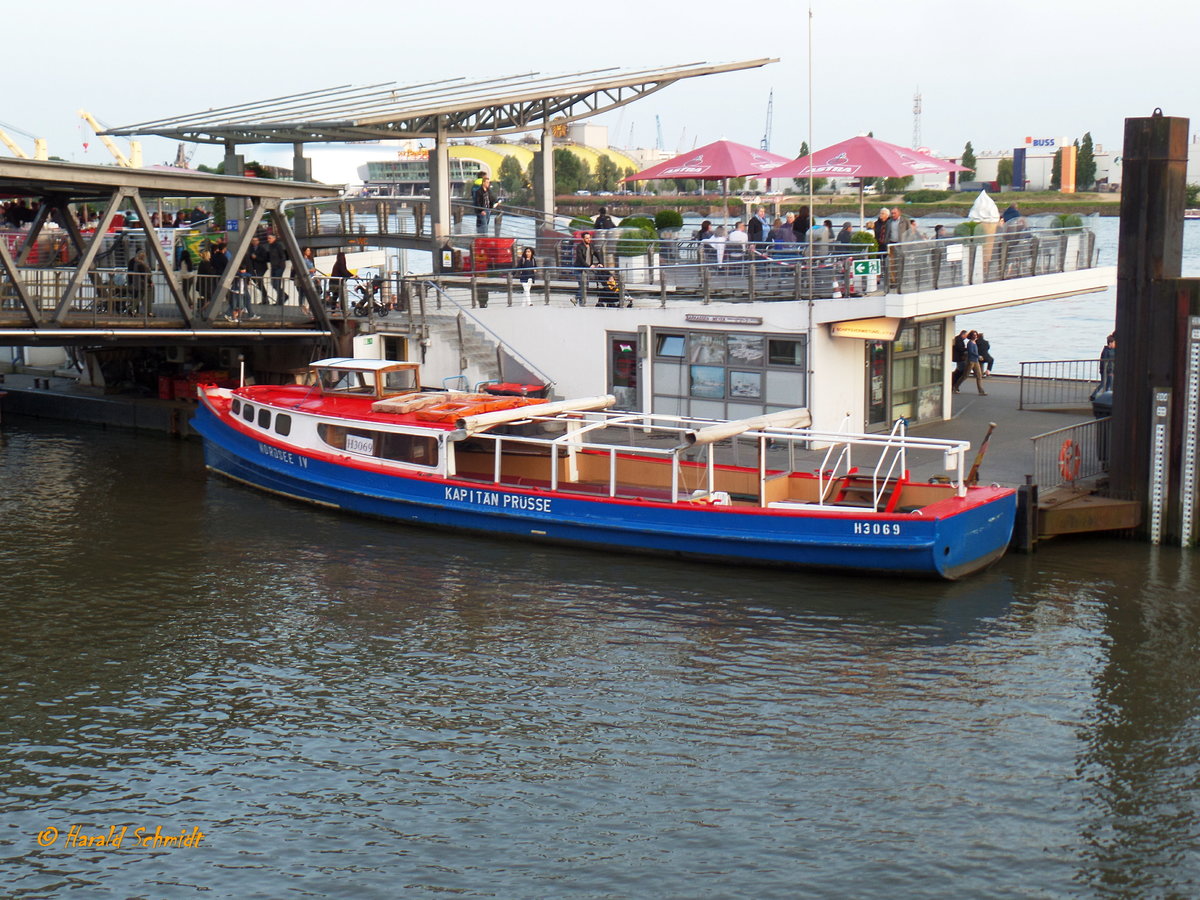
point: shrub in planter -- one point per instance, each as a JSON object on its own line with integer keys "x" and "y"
{"x": 581, "y": 223}
{"x": 668, "y": 220}
{"x": 1068, "y": 220}
{"x": 864, "y": 238}
{"x": 637, "y": 236}
{"x": 966, "y": 229}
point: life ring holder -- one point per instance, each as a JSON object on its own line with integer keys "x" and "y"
{"x": 1069, "y": 459}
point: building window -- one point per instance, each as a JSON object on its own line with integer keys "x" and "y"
{"x": 728, "y": 375}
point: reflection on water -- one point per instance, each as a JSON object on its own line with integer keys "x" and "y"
{"x": 354, "y": 709}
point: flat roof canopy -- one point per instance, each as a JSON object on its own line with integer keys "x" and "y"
{"x": 37, "y": 178}
{"x": 450, "y": 108}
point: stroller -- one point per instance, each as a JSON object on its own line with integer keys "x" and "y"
{"x": 608, "y": 288}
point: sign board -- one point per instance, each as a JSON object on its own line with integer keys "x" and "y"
{"x": 724, "y": 320}
{"x": 231, "y": 224}
{"x": 358, "y": 444}
{"x": 867, "y": 267}
{"x": 882, "y": 328}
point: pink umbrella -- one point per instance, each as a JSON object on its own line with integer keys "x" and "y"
{"x": 865, "y": 157}
{"x": 718, "y": 160}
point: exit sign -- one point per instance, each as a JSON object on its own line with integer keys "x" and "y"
{"x": 866, "y": 267}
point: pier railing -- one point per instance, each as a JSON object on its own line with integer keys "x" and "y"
{"x": 1059, "y": 383}
{"x": 1070, "y": 454}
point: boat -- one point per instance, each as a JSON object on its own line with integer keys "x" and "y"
{"x": 363, "y": 435}
{"x": 1191, "y": 213}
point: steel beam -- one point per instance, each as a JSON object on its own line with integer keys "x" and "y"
{"x": 83, "y": 267}
{"x": 167, "y": 266}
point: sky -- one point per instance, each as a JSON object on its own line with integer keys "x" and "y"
{"x": 992, "y": 75}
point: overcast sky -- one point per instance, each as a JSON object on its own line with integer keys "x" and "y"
{"x": 988, "y": 73}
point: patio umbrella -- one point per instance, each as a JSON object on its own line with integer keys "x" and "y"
{"x": 719, "y": 160}
{"x": 865, "y": 157}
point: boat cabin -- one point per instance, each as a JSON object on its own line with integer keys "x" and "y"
{"x": 376, "y": 378}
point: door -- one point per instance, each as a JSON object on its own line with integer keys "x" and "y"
{"x": 623, "y": 370}
{"x": 877, "y": 384}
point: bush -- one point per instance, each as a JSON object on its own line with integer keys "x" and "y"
{"x": 666, "y": 219}
{"x": 925, "y": 196}
{"x": 966, "y": 229}
{"x": 864, "y": 238}
{"x": 638, "y": 236}
{"x": 581, "y": 223}
{"x": 1068, "y": 220}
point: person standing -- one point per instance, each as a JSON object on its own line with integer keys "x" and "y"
{"x": 958, "y": 355}
{"x": 527, "y": 271}
{"x": 339, "y": 275}
{"x": 758, "y": 227}
{"x": 139, "y": 285}
{"x": 604, "y": 220}
{"x": 483, "y": 202}
{"x": 973, "y": 366}
{"x": 259, "y": 258}
{"x": 985, "y": 354}
{"x": 277, "y": 257}
{"x": 1108, "y": 361}
{"x": 586, "y": 259}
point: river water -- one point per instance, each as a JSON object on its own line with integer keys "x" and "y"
{"x": 346, "y": 708}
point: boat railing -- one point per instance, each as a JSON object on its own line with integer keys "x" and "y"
{"x": 500, "y": 342}
{"x": 663, "y": 438}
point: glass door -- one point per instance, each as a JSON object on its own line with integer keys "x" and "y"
{"x": 878, "y": 386}
{"x": 623, "y": 370}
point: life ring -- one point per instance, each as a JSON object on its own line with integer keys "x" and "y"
{"x": 1068, "y": 460}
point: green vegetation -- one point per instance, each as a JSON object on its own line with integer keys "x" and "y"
{"x": 667, "y": 219}
{"x": 802, "y": 183}
{"x": 638, "y": 236}
{"x": 1068, "y": 220}
{"x": 965, "y": 229}
{"x": 968, "y": 160}
{"x": 864, "y": 238}
{"x": 1004, "y": 172}
{"x": 1085, "y": 164}
{"x": 1193, "y": 195}
{"x": 926, "y": 196}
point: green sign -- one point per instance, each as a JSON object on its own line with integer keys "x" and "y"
{"x": 866, "y": 267}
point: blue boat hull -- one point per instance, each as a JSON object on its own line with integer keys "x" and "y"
{"x": 947, "y": 547}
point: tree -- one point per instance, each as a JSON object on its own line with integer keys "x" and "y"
{"x": 608, "y": 174}
{"x": 968, "y": 160}
{"x": 1056, "y": 171}
{"x": 1085, "y": 164}
{"x": 570, "y": 172}
{"x": 896, "y": 185}
{"x": 510, "y": 176}
{"x": 1004, "y": 172}
{"x": 803, "y": 183}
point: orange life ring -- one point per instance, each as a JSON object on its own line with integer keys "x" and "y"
{"x": 1068, "y": 460}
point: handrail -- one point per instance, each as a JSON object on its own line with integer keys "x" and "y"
{"x": 546, "y": 379}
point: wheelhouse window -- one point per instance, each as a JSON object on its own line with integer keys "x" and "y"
{"x": 247, "y": 412}
{"x": 413, "y": 449}
{"x": 264, "y": 418}
{"x": 283, "y": 424}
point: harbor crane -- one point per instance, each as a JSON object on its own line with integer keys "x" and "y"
{"x": 765, "y": 144}
{"x": 39, "y": 144}
{"x": 133, "y": 161}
